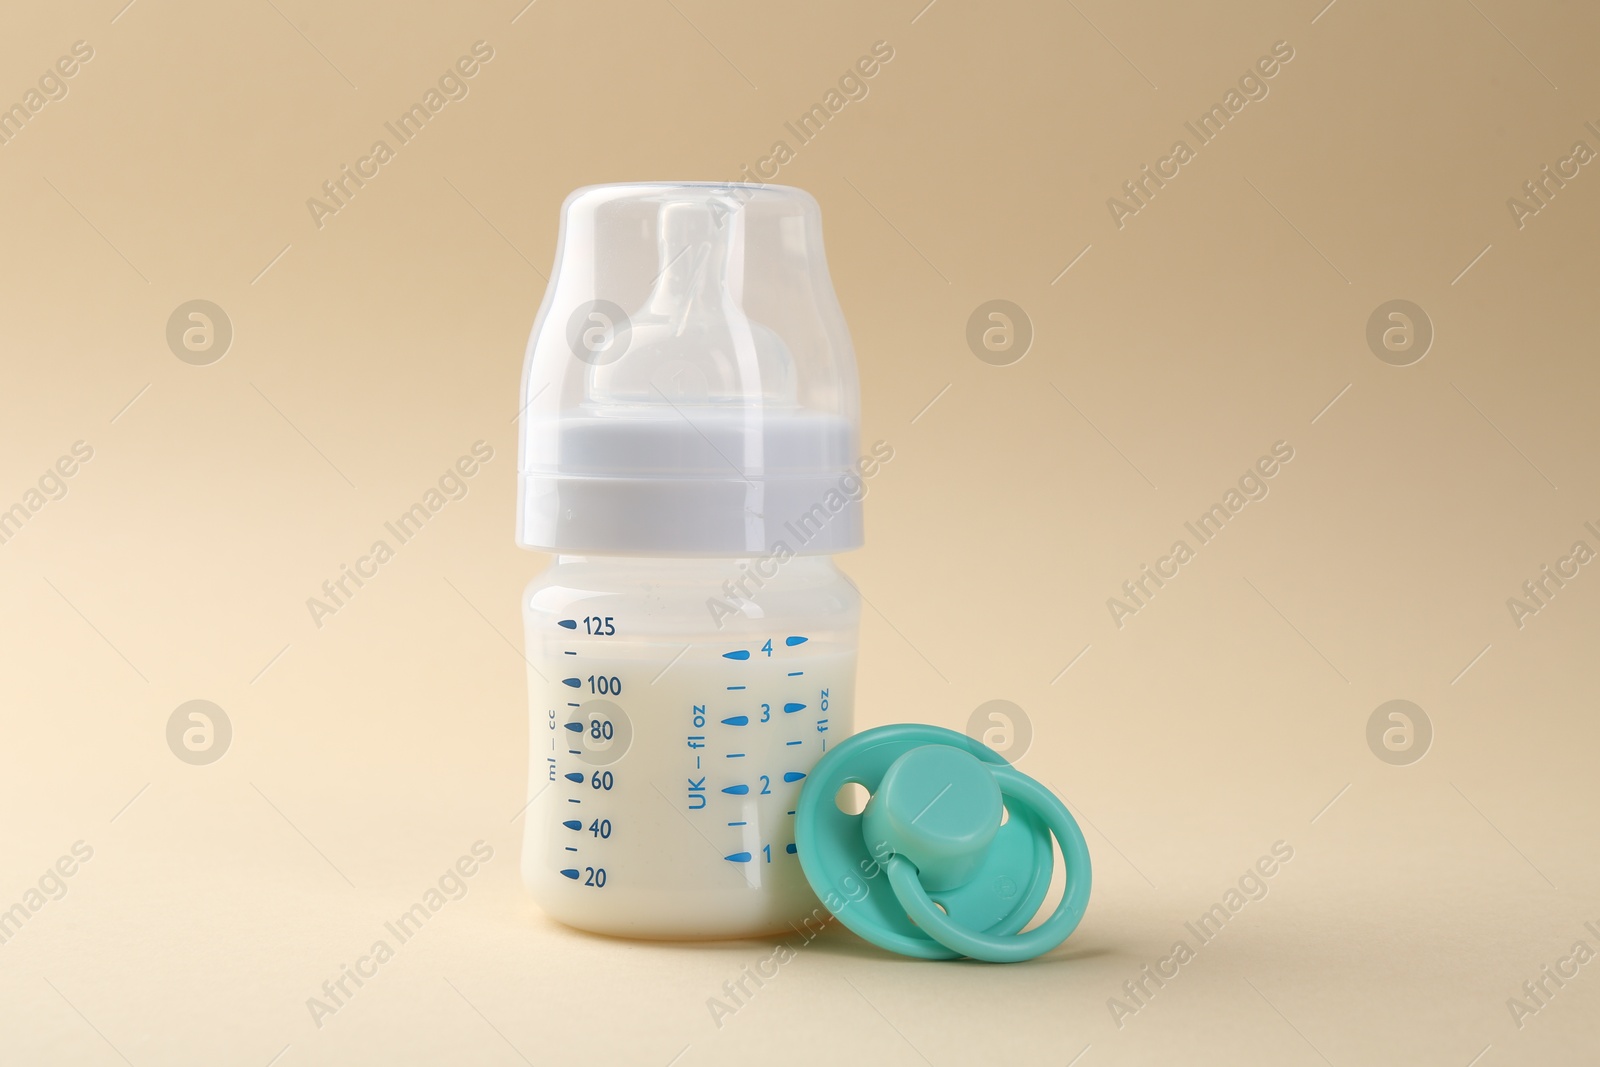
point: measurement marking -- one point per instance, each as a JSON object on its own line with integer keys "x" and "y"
{"x": 790, "y": 709}
{"x": 571, "y": 872}
{"x": 740, "y": 653}
{"x": 572, "y": 848}
{"x": 574, "y": 800}
{"x": 570, "y": 653}
{"x": 573, "y": 682}
{"x": 739, "y": 857}
{"x": 788, "y": 813}
{"x": 738, "y": 824}
{"x": 575, "y": 727}
{"x": 795, "y": 776}
{"x": 735, "y": 688}
{"x": 570, "y": 624}
{"x": 574, "y": 776}
{"x": 570, "y": 704}
{"x": 736, "y": 790}
{"x": 574, "y": 751}
{"x": 789, "y": 848}
{"x": 796, "y": 674}
{"x": 573, "y": 824}
{"x": 792, "y": 742}
{"x": 792, "y": 641}
{"x": 736, "y": 720}
{"x": 1468, "y": 667}
{"x": 734, "y": 755}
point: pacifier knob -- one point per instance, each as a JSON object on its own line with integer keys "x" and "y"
{"x": 939, "y": 807}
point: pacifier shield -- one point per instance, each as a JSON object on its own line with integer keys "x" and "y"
{"x": 934, "y": 818}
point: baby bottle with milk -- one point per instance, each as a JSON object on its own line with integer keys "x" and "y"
{"x": 689, "y": 455}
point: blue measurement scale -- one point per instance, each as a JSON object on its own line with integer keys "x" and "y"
{"x": 745, "y": 748}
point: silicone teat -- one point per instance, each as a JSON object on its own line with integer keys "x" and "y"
{"x": 692, "y": 342}
{"x": 940, "y": 808}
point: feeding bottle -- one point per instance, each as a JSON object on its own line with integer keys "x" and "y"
{"x": 689, "y": 454}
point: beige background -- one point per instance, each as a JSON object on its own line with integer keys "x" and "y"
{"x": 1226, "y": 315}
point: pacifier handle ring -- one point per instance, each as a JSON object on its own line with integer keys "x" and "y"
{"x": 907, "y": 885}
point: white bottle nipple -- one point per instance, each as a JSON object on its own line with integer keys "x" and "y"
{"x": 691, "y": 340}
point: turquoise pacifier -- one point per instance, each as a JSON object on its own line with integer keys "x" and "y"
{"x": 929, "y": 869}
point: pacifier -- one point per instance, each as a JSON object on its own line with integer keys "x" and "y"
{"x": 950, "y": 857}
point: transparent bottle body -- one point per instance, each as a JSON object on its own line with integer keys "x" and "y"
{"x": 676, "y": 706}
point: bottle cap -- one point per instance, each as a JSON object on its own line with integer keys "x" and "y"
{"x": 690, "y": 386}
{"x": 928, "y": 868}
